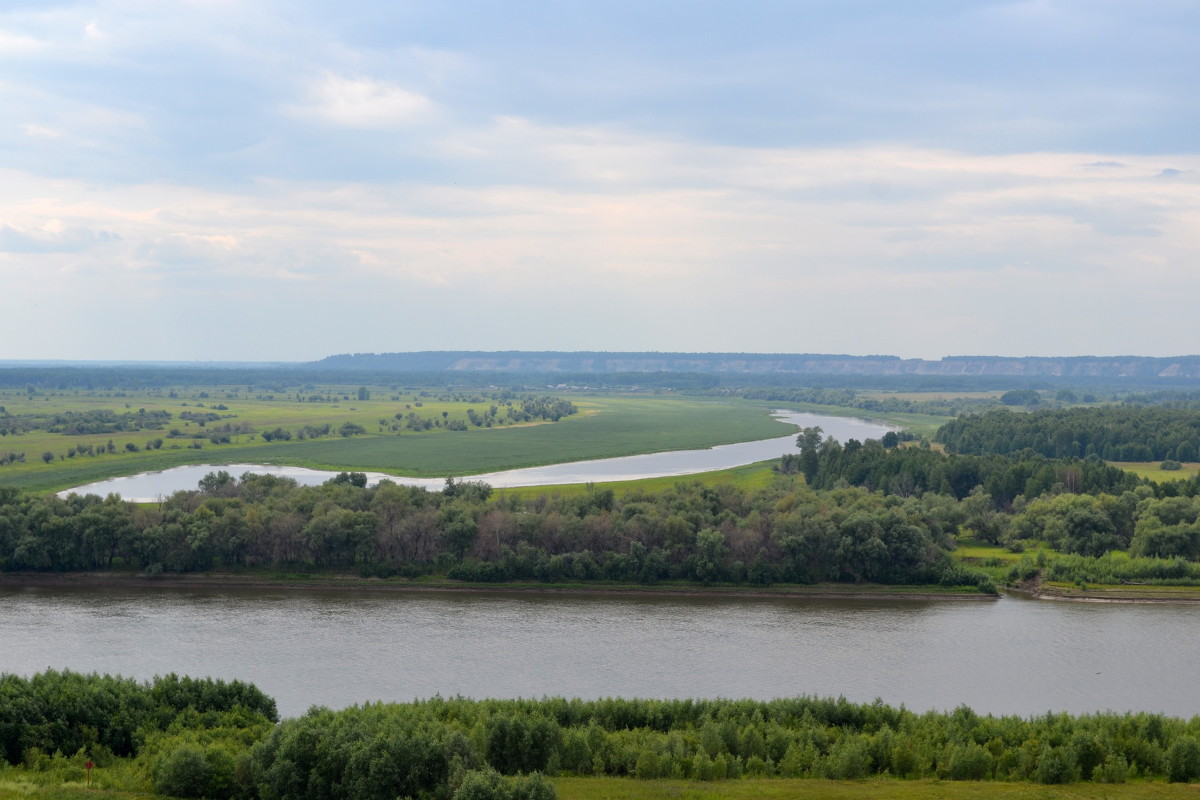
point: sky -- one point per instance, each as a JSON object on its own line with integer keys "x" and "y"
{"x": 240, "y": 180}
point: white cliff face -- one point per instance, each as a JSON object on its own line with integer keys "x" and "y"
{"x": 775, "y": 363}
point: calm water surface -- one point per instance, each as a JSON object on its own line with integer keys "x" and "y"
{"x": 149, "y": 486}
{"x": 339, "y": 648}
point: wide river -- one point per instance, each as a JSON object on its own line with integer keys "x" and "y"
{"x": 149, "y": 486}
{"x": 336, "y": 648}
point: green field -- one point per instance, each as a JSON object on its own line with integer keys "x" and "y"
{"x": 920, "y": 424}
{"x": 875, "y": 789}
{"x": 16, "y": 784}
{"x": 1151, "y": 470}
{"x": 606, "y": 426}
{"x": 749, "y": 477}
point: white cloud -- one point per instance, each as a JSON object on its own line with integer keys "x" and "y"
{"x": 365, "y": 103}
{"x": 19, "y": 44}
{"x": 52, "y": 236}
{"x": 675, "y": 234}
{"x": 41, "y": 132}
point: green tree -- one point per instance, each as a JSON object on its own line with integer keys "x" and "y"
{"x": 1183, "y": 760}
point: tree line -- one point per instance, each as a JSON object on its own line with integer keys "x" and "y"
{"x": 204, "y": 738}
{"x": 906, "y": 471}
{"x": 1112, "y": 433}
{"x": 690, "y": 532}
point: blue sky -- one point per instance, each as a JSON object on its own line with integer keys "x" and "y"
{"x": 228, "y": 180}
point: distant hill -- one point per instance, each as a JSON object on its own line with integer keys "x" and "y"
{"x": 764, "y": 363}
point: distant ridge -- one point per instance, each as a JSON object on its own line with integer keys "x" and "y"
{"x": 600, "y": 362}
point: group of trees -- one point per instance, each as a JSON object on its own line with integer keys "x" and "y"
{"x": 65, "y": 712}
{"x": 1112, "y": 433}
{"x": 203, "y": 738}
{"x": 506, "y": 409}
{"x": 908, "y": 471}
{"x": 80, "y": 423}
{"x": 785, "y": 533}
{"x": 1077, "y": 506}
{"x": 423, "y": 742}
{"x": 877, "y": 403}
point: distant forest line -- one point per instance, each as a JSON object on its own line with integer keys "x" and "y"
{"x": 284, "y": 377}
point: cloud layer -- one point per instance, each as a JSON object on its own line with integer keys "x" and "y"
{"x": 232, "y": 180}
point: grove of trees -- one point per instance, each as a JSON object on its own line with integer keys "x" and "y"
{"x": 212, "y": 739}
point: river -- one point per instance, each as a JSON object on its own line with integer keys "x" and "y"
{"x": 149, "y": 486}
{"x": 336, "y": 648}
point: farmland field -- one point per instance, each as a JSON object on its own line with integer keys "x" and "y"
{"x": 605, "y": 426}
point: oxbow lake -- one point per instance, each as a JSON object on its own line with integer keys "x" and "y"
{"x": 149, "y": 486}
{"x": 337, "y": 648}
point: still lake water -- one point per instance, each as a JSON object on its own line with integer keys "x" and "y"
{"x": 337, "y": 648}
{"x": 149, "y": 486}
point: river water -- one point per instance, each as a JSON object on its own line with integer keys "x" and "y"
{"x": 149, "y": 486}
{"x": 336, "y": 648}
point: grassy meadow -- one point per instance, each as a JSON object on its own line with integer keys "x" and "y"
{"x": 605, "y": 426}
{"x": 872, "y": 789}
{"x": 1153, "y": 470}
{"x": 21, "y": 784}
{"x": 749, "y": 477}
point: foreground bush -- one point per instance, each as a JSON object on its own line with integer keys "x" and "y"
{"x": 210, "y": 739}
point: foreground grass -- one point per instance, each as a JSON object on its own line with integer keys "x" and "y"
{"x": 13, "y": 786}
{"x": 17, "y": 790}
{"x": 875, "y": 789}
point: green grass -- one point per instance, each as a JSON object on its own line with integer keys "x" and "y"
{"x": 1121, "y": 591}
{"x": 607, "y": 426}
{"x": 920, "y": 424}
{"x": 875, "y": 789}
{"x": 614, "y": 427}
{"x": 1150, "y": 469}
{"x": 974, "y": 551}
{"x": 16, "y": 788}
{"x": 66, "y": 779}
{"x": 749, "y": 477}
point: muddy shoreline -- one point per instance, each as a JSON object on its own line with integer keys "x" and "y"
{"x": 129, "y": 580}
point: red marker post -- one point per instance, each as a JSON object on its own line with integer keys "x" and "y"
{"x": 89, "y": 766}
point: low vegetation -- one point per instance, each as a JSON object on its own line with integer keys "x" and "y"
{"x": 211, "y": 739}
